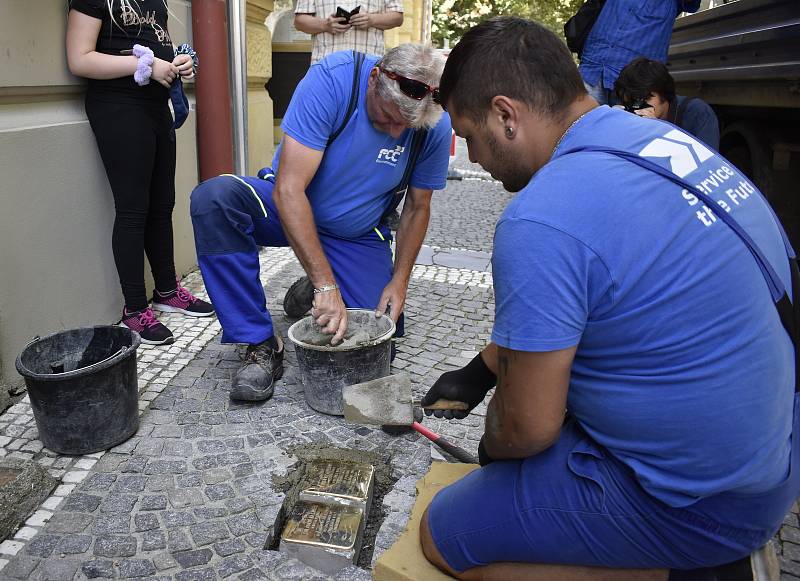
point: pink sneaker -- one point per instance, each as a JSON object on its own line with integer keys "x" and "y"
{"x": 148, "y": 326}
{"x": 181, "y": 301}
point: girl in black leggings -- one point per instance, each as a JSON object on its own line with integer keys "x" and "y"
{"x": 124, "y": 49}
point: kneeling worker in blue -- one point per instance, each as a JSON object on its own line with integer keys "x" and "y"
{"x": 359, "y": 132}
{"x": 643, "y": 285}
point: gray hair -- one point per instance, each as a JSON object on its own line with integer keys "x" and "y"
{"x": 420, "y": 62}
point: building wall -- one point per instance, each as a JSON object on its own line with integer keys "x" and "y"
{"x": 56, "y": 209}
{"x": 260, "y": 139}
{"x": 411, "y": 29}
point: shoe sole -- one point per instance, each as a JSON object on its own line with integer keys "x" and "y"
{"x": 168, "y": 341}
{"x": 171, "y": 309}
{"x": 290, "y": 312}
{"x": 253, "y": 395}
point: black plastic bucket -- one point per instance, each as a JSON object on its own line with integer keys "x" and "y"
{"x": 325, "y": 369}
{"x": 83, "y": 388}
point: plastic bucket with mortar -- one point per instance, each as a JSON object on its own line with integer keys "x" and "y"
{"x": 325, "y": 369}
{"x": 83, "y": 388}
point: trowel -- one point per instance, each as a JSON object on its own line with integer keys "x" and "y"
{"x": 387, "y": 401}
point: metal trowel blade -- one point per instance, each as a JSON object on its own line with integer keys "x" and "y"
{"x": 386, "y": 401}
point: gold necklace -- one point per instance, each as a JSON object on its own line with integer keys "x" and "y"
{"x": 567, "y": 130}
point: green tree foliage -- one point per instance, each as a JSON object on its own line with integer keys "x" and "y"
{"x": 452, "y": 18}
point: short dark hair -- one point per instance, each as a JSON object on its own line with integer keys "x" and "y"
{"x": 642, "y": 77}
{"x": 510, "y": 56}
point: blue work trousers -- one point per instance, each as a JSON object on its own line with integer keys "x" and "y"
{"x": 232, "y": 216}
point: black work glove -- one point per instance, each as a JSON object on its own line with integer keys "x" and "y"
{"x": 483, "y": 455}
{"x": 470, "y": 384}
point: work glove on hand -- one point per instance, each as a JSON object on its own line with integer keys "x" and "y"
{"x": 470, "y": 384}
{"x": 483, "y": 455}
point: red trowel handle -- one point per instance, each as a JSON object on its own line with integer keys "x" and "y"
{"x": 456, "y": 452}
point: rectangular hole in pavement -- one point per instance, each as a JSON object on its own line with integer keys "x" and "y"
{"x": 314, "y": 458}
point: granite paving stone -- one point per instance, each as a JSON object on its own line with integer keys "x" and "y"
{"x": 153, "y": 540}
{"x": 65, "y": 522}
{"x": 115, "y": 546}
{"x": 58, "y": 570}
{"x": 112, "y": 523}
{"x": 146, "y": 522}
{"x": 153, "y": 502}
{"x": 207, "y": 533}
{"x": 21, "y": 567}
{"x": 79, "y": 502}
{"x": 42, "y": 545}
{"x": 73, "y": 544}
{"x": 98, "y": 568}
{"x": 196, "y": 558}
{"x": 178, "y": 540}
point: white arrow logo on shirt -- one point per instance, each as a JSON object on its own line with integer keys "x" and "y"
{"x": 682, "y": 159}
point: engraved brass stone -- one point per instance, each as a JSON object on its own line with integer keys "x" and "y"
{"x": 348, "y": 482}
{"x": 323, "y": 525}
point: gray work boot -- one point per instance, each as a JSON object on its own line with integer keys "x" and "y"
{"x": 299, "y": 298}
{"x": 263, "y": 366}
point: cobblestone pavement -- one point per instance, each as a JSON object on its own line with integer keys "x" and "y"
{"x": 196, "y": 493}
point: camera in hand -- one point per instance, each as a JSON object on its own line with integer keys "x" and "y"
{"x": 636, "y": 105}
{"x": 342, "y": 13}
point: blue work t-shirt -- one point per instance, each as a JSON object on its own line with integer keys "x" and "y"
{"x": 348, "y": 194}
{"x": 683, "y": 370}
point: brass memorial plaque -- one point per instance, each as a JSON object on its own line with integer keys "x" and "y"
{"x": 349, "y": 482}
{"x": 322, "y": 525}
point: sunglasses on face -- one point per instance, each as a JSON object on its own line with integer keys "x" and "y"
{"x": 413, "y": 88}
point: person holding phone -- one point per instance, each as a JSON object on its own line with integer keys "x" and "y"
{"x": 347, "y": 24}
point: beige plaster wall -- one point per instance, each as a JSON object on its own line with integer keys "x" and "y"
{"x": 261, "y": 143}
{"x": 56, "y": 209}
{"x": 411, "y": 29}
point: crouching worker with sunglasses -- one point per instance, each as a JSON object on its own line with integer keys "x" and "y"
{"x": 678, "y": 450}
{"x": 358, "y": 131}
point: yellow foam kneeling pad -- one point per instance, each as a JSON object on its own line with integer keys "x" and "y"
{"x": 404, "y": 561}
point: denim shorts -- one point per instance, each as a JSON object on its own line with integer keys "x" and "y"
{"x": 575, "y": 504}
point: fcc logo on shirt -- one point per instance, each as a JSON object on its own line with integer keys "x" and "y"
{"x": 390, "y": 156}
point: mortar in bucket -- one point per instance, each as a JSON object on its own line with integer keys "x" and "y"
{"x": 364, "y": 354}
{"x": 83, "y": 387}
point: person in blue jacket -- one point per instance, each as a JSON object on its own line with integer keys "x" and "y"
{"x": 333, "y": 179}
{"x": 625, "y": 30}
{"x": 644, "y": 411}
{"x": 646, "y": 88}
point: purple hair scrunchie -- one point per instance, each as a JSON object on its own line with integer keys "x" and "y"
{"x": 144, "y": 66}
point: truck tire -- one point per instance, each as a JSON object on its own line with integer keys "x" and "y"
{"x": 749, "y": 148}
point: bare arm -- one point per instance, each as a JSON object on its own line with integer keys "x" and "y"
{"x": 525, "y": 415}
{"x": 379, "y": 20}
{"x": 298, "y": 165}
{"x": 311, "y": 24}
{"x": 410, "y": 234}
{"x": 83, "y": 60}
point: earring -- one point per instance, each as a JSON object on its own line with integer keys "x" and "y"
{"x": 509, "y": 131}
